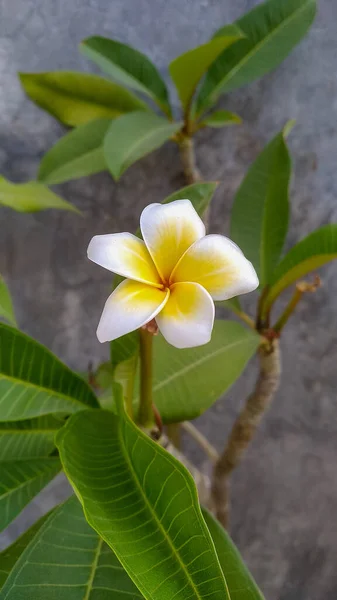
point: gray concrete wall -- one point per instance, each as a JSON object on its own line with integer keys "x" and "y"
{"x": 285, "y": 492}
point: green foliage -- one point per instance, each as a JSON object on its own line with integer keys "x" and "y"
{"x": 128, "y": 66}
{"x": 28, "y": 439}
{"x": 221, "y": 118}
{"x": 260, "y": 213}
{"x": 144, "y": 504}
{"x": 31, "y": 197}
{"x": 34, "y": 382}
{"x": 272, "y": 29}
{"x": 6, "y": 305}
{"x": 133, "y": 136}
{"x": 77, "y": 98}
{"x": 199, "y": 194}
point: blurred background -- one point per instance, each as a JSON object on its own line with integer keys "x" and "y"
{"x": 284, "y": 494}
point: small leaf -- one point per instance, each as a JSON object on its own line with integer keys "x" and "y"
{"x": 28, "y": 439}
{"x": 34, "y": 382}
{"x": 6, "y": 305}
{"x": 200, "y": 194}
{"x": 152, "y": 518}
{"x": 311, "y": 253}
{"x": 77, "y": 154}
{"x": 187, "y": 69}
{"x": 221, "y": 118}
{"x": 31, "y": 197}
{"x": 272, "y": 29}
{"x": 133, "y": 136}
{"x": 128, "y": 66}
{"x": 20, "y": 481}
{"x": 241, "y": 584}
{"x": 66, "y": 560}
{"x": 260, "y": 213}
{"x": 77, "y": 98}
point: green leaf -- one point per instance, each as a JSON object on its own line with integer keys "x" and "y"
{"x": 241, "y": 584}
{"x": 31, "y": 197}
{"x": 77, "y": 98}
{"x": 6, "y": 305}
{"x": 260, "y": 213}
{"x": 77, "y": 154}
{"x": 128, "y": 66}
{"x": 187, "y": 382}
{"x": 221, "y": 118}
{"x": 67, "y": 560}
{"x": 272, "y": 29}
{"x": 187, "y": 69}
{"x": 34, "y": 382}
{"x": 200, "y": 194}
{"x": 28, "y": 439}
{"x": 311, "y": 253}
{"x": 133, "y": 136}
{"x": 232, "y": 304}
{"x": 144, "y": 504}
{"x": 20, "y": 481}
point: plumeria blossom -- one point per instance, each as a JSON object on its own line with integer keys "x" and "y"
{"x": 172, "y": 275}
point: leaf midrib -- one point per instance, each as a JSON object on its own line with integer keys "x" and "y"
{"x": 148, "y": 135}
{"x": 32, "y": 479}
{"x": 53, "y": 174}
{"x": 93, "y": 569}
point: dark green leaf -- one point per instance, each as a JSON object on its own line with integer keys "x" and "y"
{"x": 6, "y": 305}
{"x": 31, "y": 197}
{"x": 144, "y": 504}
{"x": 128, "y": 66}
{"x": 77, "y": 98}
{"x": 133, "y": 136}
{"x": 221, "y": 118}
{"x": 28, "y": 439}
{"x": 200, "y": 194}
{"x": 272, "y": 29}
{"x": 34, "y": 382}
{"x": 260, "y": 213}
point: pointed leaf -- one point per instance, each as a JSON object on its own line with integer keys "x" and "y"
{"x": 31, "y": 197}
{"x": 272, "y": 29}
{"x": 128, "y": 66}
{"x": 28, "y": 439}
{"x": 200, "y": 194}
{"x": 133, "y": 136}
{"x": 34, "y": 382}
{"x": 20, "y": 481}
{"x": 6, "y": 305}
{"x": 221, "y": 118}
{"x": 260, "y": 213}
{"x": 144, "y": 504}
{"x": 77, "y": 98}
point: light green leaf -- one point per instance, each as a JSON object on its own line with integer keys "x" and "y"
{"x": 232, "y": 304}
{"x": 67, "y": 560}
{"x": 187, "y": 382}
{"x": 78, "y": 154}
{"x": 144, "y": 504}
{"x": 20, "y": 481}
{"x": 311, "y": 253}
{"x": 28, "y": 439}
{"x": 77, "y": 98}
{"x": 241, "y": 584}
{"x": 133, "y": 136}
{"x": 221, "y": 118}
{"x": 31, "y": 197}
{"x": 260, "y": 213}
{"x": 200, "y": 194}
{"x": 272, "y": 29}
{"x": 6, "y": 305}
{"x": 34, "y": 382}
{"x": 187, "y": 69}
{"x": 128, "y": 66}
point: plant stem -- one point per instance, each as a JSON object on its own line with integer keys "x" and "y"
{"x": 145, "y": 416}
{"x": 187, "y": 155}
{"x": 201, "y": 441}
{"x": 245, "y": 427}
{"x": 174, "y": 434}
{"x": 301, "y": 288}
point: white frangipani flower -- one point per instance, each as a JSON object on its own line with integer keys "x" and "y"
{"x": 173, "y": 275}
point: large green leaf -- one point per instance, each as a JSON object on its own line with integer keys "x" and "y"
{"x": 31, "y": 197}
{"x": 128, "y": 66}
{"x": 311, "y": 253}
{"x": 78, "y": 154}
{"x": 6, "y": 305}
{"x": 241, "y": 584}
{"x": 187, "y": 69}
{"x": 76, "y": 98}
{"x": 144, "y": 504}
{"x": 260, "y": 213}
{"x": 200, "y": 194}
{"x": 132, "y": 136}
{"x": 20, "y": 481}
{"x": 28, "y": 439}
{"x": 187, "y": 382}
{"x": 272, "y": 29}
{"x": 66, "y": 560}
{"x": 34, "y": 382}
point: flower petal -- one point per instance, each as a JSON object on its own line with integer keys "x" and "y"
{"x": 126, "y": 255}
{"x": 187, "y": 317}
{"x": 131, "y": 305}
{"x": 219, "y": 266}
{"x": 168, "y": 230}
